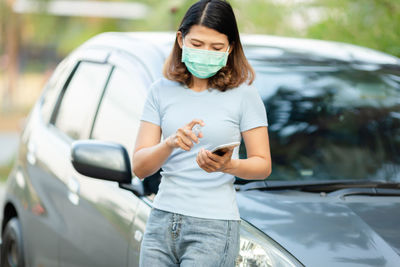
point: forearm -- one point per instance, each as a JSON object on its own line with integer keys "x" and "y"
{"x": 148, "y": 160}
{"x": 250, "y": 168}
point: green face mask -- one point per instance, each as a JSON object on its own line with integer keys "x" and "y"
{"x": 203, "y": 63}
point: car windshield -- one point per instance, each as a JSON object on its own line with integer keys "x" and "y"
{"x": 329, "y": 122}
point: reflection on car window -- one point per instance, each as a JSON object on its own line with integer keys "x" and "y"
{"x": 342, "y": 124}
{"x": 81, "y": 98}
{"x": 52, "y": 88}
{"x": 118, "y": 117}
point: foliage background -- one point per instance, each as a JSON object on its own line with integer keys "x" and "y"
{"x": 45, "y": 39}
{"x": 370, "y": 23}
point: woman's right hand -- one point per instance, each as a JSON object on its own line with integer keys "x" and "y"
{"x": 184, "y": 136}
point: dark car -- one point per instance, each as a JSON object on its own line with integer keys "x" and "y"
{"x": 333, "y": 198}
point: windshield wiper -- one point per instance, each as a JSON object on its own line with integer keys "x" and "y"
{"x": 365, "y": 192}
{"x": 316, "y": 186}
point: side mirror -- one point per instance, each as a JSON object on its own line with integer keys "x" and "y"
{"x": 102, "y": 160}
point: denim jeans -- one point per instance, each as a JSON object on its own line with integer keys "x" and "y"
{"x": 172, "y": 239}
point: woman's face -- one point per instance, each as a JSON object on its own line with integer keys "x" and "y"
{"x": 201, "y": 37}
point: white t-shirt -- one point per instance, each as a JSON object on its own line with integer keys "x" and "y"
{"x": 186, "y": 188}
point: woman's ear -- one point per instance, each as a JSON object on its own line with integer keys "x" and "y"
{"x": 231, "y": 47}
{"x": 179, "y": 38}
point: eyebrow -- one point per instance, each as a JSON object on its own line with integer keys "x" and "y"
{"x": 197, "y": 40}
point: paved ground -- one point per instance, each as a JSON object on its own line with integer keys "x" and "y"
{"x": 8, "y": 145}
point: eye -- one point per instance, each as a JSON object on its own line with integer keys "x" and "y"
{"x": 217, "y": 49}
{"x": 196, "y": 45}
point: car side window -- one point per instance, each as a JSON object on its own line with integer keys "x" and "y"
{"x": 52, "y": 88}
{"x": 118, "y": 118}
{"x": 80, "y": 99}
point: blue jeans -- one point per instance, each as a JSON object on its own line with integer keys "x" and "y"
{"x": 172, "y": 239}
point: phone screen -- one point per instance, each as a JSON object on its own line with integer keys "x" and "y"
{"x": 221, "y": 151}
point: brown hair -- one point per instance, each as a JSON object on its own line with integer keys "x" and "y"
{"x": 217, "y": 15}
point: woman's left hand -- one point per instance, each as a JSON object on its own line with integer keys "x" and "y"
{"x": 212, "y": 162}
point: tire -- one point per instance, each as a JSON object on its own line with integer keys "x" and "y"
{"x": 12, "y": 252}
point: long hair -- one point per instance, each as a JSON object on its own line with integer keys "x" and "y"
{"x": 217, "y": 15}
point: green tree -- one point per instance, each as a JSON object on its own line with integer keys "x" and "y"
{"x": 370, "y": 23}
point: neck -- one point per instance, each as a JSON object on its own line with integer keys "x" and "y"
{"x": 198, "y": 84}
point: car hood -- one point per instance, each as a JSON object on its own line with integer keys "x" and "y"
{"x": 327, "y": 231}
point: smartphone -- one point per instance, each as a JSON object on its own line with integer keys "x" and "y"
{"x": 222, "y": 149}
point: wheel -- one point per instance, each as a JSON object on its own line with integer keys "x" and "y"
{"x": 12, "y": 253}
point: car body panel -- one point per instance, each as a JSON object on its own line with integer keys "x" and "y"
{"x": 36, "y": 193}
{"x": 148, "y": 53}
{"x": 99, "y": 232}
{"x": 327, "y": 231}
{"x": 137, "y": 231}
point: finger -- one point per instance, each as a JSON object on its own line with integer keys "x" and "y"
{"x": 212, "y": 164}
{"x": 199, "y": 160}
{"x": 191, "y": 135}
{"x": 220, "y": 161}
{"x": 181, "y": 144}
{"x": 201, "y": 163}
{"x": 203, "y": 158}
{"x": 213, "y": 157}
{"x": 195, "y": 121}
{"x": 184, "y": 138}
{"x": 229, "y": 153}
{"x": 206, "y": 168}
{"x": 226, "y": 158}
{"x": 208, "y": 162}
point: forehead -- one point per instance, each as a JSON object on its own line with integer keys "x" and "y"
{"x": 206, "y": 34}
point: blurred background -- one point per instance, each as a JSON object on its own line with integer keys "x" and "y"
{"x": 35, "y": 35}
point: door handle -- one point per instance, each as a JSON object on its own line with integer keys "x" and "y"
{"x": 73, "y": 185}
{"x": 73, "y": 190}
{"x": 31, "y": 154}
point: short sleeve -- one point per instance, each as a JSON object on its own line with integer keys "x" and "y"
{"x": 151, "y": 109}
{"x": 253, "y": 113}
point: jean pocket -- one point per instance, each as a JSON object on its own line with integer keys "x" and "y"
{"x": 156, "y": 218}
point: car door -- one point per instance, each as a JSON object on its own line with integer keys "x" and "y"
{"x": 110, "y": 210}
{"x": 42, "y": 165}
{"x": 118, "y": 120}
{"x": 127, "y": 93}
{"x": 71, "y": 121}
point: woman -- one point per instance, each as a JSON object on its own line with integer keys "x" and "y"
{"x": 195, "y": 219}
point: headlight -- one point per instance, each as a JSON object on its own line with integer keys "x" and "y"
{"x": 257, "y": 249}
